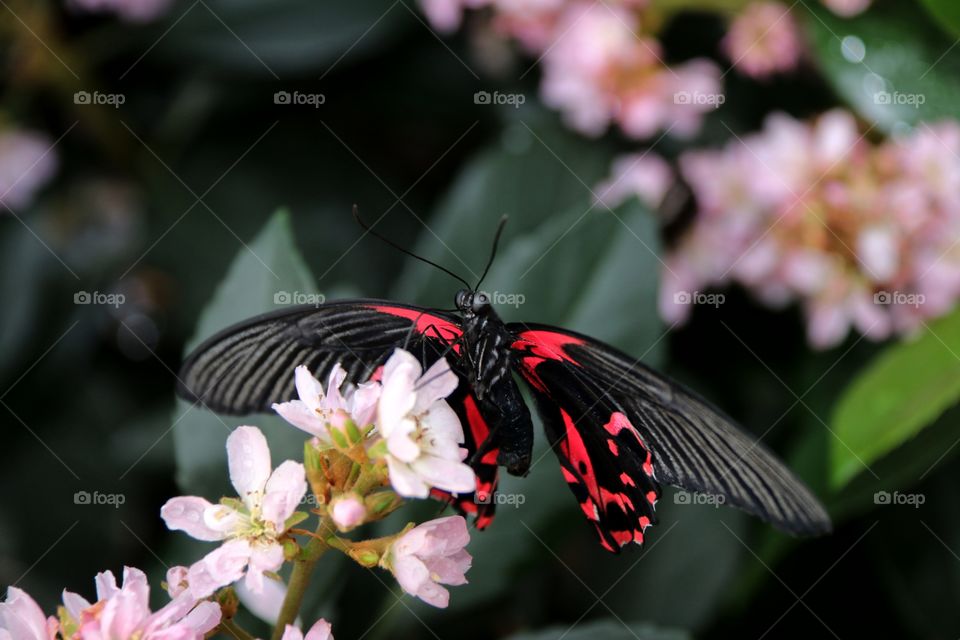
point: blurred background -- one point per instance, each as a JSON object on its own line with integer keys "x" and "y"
{"x": 761, "y": 199}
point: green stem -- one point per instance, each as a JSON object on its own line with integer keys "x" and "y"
{"x": 235, "y": 631}
{"x": 300, "y": 579}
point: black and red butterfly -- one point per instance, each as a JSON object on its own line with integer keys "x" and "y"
{"x": 619, "y": 428}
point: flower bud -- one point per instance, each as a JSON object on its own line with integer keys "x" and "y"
{"x": 348, "y": 511}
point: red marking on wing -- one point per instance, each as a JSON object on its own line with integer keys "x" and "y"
{"x": 377, "y": 375}
{"x": 479, "y": 428}
{"x": 445, "y": 329}
{"x": 575, "y": 451}
{"x": 548, "y": 345}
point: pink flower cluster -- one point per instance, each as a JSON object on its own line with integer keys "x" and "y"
{"x": 861, "y": 234}
{"x": 601, "y": 65}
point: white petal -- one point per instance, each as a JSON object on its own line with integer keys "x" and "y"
{"x": 411, "y": 573}
{"x": 266, "y": 604}
{"x": 186, "y": 513}
{"x": 299, "y": 415}
{"x": 455, "y": 477}
{"x": 397, "y": 396}
{"x": 249, "y": 458}
{"x": 309, "y": 388}
{"x": 334, "y": 399}
{"x": 204, "y": 618}
{"x": 405, "y": 482}
{"x": 284, "y": 491}
{"x": 437, "y": 383}
{"x": 363, "y": 403}
{"x": 401, "y": 445}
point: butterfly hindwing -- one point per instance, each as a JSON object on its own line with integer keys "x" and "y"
{"x": 602, "y": 457}
{"x": 693, "y": 445}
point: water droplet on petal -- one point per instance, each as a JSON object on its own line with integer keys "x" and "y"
{"x": 853, "y": 49}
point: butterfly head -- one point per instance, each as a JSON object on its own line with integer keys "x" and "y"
{"x": 472, "y": 303}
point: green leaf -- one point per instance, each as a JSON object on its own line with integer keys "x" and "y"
{"x": 268, "y": 266}
{"x": 902, "y": 391}
{"x": 604, "y": 630}
{"x": 910, "y": 72}
{"x": 279, "y": 37}
{"x": 946, "y": 13}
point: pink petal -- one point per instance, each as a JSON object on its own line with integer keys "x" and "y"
{"x": 263, "y": 558}
{"x": 186, "y": 513}
{"x": 411, "y": 573}
{"x": 266, "y": 604}
{"x": 22, "y": 616}
{"x": 299, "y": 415}
{"x": 321, "y": 630}
{"x": 398, "y": 396}
{"x": 204, "y": 618}
{"x": 437, "y": 383}
{"x": 249, "y": 458}
{"x": 219, "y": 568}
{"x": 334, "y": 399}
{"x": 404, "y": 481}
{"x": 309, "y": 388}
{"x": 284, "y": 491}
{"x": 453, "y": 476}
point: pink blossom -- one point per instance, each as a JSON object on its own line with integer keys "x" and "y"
{"x": 131, "y": 10}
{"x": 347, "y": 511}
{"x": 763, "y": 39}
{"x": 123, "y": 613}
{"x": 251, "y": 527}
{"x": 315, "y": 412}
{"x": 22, "y": 619}
{"x": 646, "y": 176}
{"x": 600, "y": 69}
{"x": 847, "y": 8}
{"x": 321, "y": 630}
{"x": 861, "y": 235}
{"x": 27, "y": 163}
{"x": 430, "y": 555}
{"x": 422, "y": 434}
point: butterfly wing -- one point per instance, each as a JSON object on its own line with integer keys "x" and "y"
{"x": 693, "y": 444}
{"x": 249, "y": 366}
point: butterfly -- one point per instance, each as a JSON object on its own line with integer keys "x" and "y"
{"x": 620, "y": 429}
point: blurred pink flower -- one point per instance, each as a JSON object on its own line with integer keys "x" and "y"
{"x": 861, "y": 235}
{"x": 421, "y": 432}
{"x": 430, "y": 555}
{"x": 250, "y": 527}
{"x": 27, "y": 163}
{"x": 644, "y": 175}
{"x": 601, "y": 69}
{"x": 763, "y": 39}
{"x": 124, "y": 612}
{"x": 22, "y": 619}
{"x": 131, "y": 10}
{"x": 321, "y": 630}
{"x": 847, "y": 8}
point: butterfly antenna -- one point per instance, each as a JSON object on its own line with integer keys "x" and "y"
{"x": 493, "y": 250}
{"x": 370, "y": 230}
